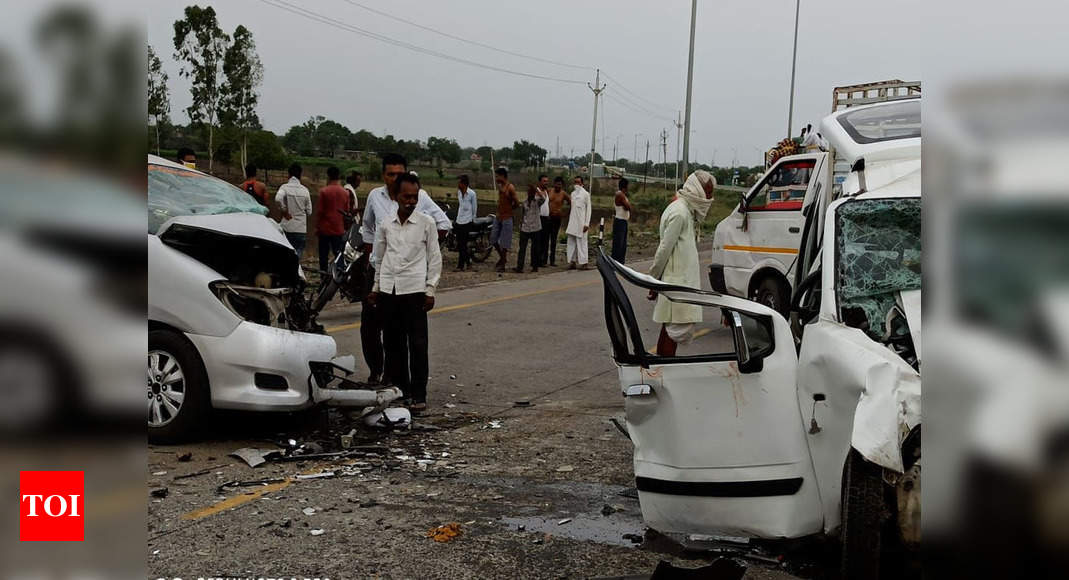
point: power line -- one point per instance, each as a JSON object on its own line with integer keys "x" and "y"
{"x": 636, "y": 108}
{"x": 283, "y": 5}
{"x": 632, "y": 93}
{"x": 465, "y": 40}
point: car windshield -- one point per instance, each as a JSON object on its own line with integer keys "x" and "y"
{"x": 176, "y": 192}
{"x": 879, "y": 255}
{"x": 901, "y": 120}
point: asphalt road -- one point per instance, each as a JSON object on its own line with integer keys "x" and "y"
{"x": 508, "y": 475}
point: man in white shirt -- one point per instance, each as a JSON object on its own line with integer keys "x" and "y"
{"x": 467, "y": 210}
{"x": 542, "y": 247}
{"x": 578, "y": 224}
{"x": 811, "y": 142}
{"x": 381, "y": 205}
{"x": 352, "y": 183}
{"x": 296, "y": 204}
{"x": 410, "y": 265}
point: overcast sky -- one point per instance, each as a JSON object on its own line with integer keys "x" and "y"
{"x": 741, "y": 71}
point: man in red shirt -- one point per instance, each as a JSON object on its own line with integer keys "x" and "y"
{"x": 257, "y": 189}
{"x": 330, "y": 224}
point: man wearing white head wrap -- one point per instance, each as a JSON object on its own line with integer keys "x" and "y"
{"x": 676, "y": 260}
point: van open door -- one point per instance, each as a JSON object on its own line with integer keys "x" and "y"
{"x": 720, "y": 447}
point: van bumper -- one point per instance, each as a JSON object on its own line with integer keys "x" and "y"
{"x": 716, "y": 278}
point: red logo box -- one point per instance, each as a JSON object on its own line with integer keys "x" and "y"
{"x": 51, "y": 506}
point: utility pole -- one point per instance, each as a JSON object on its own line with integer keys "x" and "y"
{"x": 635, "y": 156}
{"x": 596, "y": 89}
{"x": 646, "y": 167}
{"x": 679, "y": 127}
{"x": 664, "y": 155}
{"x": 690, "y": 78}
{"x": 794, "y": 62}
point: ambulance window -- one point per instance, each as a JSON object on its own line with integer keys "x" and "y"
{"x": 784, "y": 188}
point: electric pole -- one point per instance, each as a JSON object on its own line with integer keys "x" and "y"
{"x": 635, "y": 156}
{"x": 646, "y": 167}
{"x": 596, "y": 89}
{"x": 679, "y": 127}
{"x": 794, "y": 62}
{"x": 664, "y": 155}
{"x": 690, "y": 78}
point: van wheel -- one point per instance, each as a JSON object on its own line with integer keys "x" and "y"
{"x": 178, "y": 395}
{"x": 773, "y": 293}
{"x": 864, "y": 513}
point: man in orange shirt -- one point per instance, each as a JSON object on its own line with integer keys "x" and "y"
{"x": 330, "y": 223}
{"x": 501, "y": 233}
{"x": 257, "y": 189}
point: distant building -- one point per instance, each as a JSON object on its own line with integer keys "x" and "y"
{"x": 354, "y": 155}
{"x": 476, "y": 157}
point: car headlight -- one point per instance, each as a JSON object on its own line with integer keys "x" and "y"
{"x": 266, "y": 306}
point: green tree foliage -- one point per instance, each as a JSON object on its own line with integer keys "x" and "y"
{"x": 443, "y": 149}
{"x": 159, "y": 103}
{"x": 528, "y": 153}
{"x": 265, "y": 150}
{"x": 200, "y": 45}
{"x": 240, "y": 91}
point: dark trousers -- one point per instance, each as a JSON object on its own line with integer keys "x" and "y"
{"x": 406, "y": 342}
{"x": 552, "y": 235}
{"x": 543, "y": 241}
{"x": 371, "y": 333}
{"x": 462, "y": 231}
{"x": 531, "y": 238}
{"x": 619, "y": 240}
{"x": 328, "y": 244}
{"x": 297, "y": 241}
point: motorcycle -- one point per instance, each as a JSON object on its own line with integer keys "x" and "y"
{"x": 478, "y": 241}
{"x": 347, "y": 274}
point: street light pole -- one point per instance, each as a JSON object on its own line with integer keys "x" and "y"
{"x": 794, "y": 63}
{"x": 690, "y": 78}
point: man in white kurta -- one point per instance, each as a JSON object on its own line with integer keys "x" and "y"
{"x": 578, "y": 224}
{"x": 676, "y": 260}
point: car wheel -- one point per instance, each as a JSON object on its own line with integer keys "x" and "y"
{"x": 773, "y": 293}
{"x": 482, "y": 249}
{"x": 864, "y": 513}
{"x": 178, "y": 396}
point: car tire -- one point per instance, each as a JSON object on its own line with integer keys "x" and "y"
{"x": 863, "y": 517}
{"x": 481, "y": 248}
{"x": 773, "y": 293}
{"x": 179, "y": 400}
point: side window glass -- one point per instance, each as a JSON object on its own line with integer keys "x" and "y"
{"x": 784, "y": 188}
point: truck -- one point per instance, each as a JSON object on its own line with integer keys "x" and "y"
{"x": 755, "y": 248}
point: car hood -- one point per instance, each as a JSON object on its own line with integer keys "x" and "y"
{"x": 246, "y": 225}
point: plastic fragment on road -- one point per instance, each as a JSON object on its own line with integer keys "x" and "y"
{"x": 319, "y": 475}
{"x": 389, "y": 418}
{"x": 253, "y": 456}
{"x": 495, "y": 424}
{"x": 444, "y": 533}
{"x": 564, "y": 521}
{"x": 565, "y": 469}
{"x": 309, "y": 511}
{"x": 317, "y": 532}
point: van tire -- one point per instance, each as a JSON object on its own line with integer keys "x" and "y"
{"x": 863, "y": 515}
{"x": 773, "y": 292}
{"x": 194, "y": 412}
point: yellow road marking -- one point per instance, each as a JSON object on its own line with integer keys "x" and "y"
{"x": 697, "y": 334}
{"x": 235, "y": 501}
{"x": 444, "y": 309}
{"x": 765, "y": 250}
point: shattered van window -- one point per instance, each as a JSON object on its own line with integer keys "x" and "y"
{"x": 176, "y": 192}
{"x": 879, "y": 255}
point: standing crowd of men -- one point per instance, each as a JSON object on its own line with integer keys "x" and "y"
{"x": 401, "y": 229}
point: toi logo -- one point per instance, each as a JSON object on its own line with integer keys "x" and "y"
{"x": 51, "y": 506}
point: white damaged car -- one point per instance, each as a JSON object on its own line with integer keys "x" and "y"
{"x": 226, "y": 311}
{"x": 784, "y": 432}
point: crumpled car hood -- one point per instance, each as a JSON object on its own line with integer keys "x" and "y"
{"x": 234, "y": 224}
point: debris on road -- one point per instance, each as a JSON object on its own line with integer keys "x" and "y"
{"x": 320, "y": 475}
{"x": 565, "y": 469}
{"x": 452, "y": 377}
{"x": 390, "y": 418}
{"x": 564, "y": 521}
{"x": 347, "y": 439}
{"x": 187, "y": 456}
{"x": 256, "y": 482}
{"x": 521, "y": 404}
{"x": 720, "y": 569}
{"x": 159, "y": 473}
{"x": 317, "y": 532}
{"x": 253, "y": 456}
{"x": 309, "y": 511}
{"x": 495, "y": 424}
{"x": 607, "y": 510}
{"x": 633, "y": 538}
{"x": 159, "y": 492}
{"x": 444, "y": 533}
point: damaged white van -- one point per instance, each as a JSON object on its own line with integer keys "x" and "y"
{"x": 776, "y": 433}
{"x": 227, "y": 312}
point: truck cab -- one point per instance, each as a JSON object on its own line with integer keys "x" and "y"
{"x": 755, "y": 249}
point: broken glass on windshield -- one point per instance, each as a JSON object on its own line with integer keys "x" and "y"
{"x": 177, "y": 192}
{"x": 879, "y": 255}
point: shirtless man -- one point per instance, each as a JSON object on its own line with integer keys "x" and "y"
{"x": 557, "y": 197}
{"x": 501, "y": 234}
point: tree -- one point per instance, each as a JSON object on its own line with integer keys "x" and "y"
{"x": 444, "y": 149}
{"x": 200, "y": 45}
{"x": 528, "y": 153}
{"x": 244, "y": 74}
{"x": 159, "y": 104}
{"x": 265, "y": 151}
{"x": 330, "y": 136}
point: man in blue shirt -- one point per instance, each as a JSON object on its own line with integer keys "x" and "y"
{"x": 467, "y": 209}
